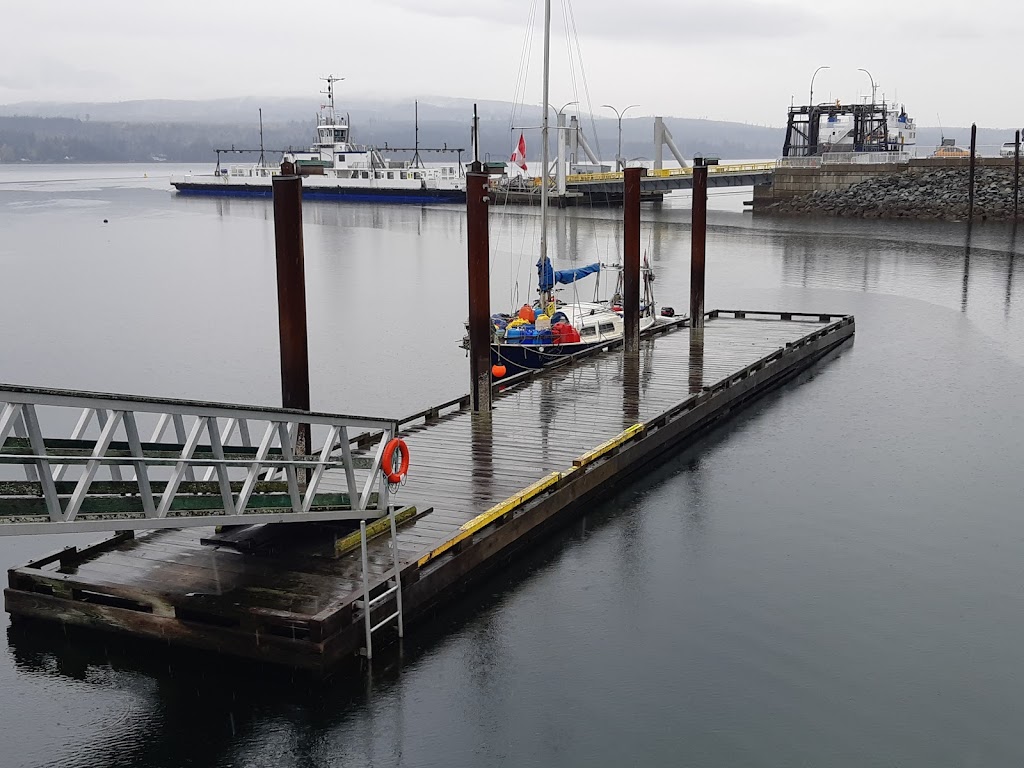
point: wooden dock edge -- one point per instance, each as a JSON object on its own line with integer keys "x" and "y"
{"x": 320, "y": 643}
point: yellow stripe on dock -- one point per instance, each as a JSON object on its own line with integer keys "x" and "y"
{"x": 607, "y": 445}
{"x": 376, "y": 528}
{"x": 486, "y": 518}
{"x": 503, "y": 508}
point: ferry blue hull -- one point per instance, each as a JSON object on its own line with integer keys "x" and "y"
{"x": 409, "y": 197}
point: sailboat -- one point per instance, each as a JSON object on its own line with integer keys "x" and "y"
{"x": 539, "y": 335}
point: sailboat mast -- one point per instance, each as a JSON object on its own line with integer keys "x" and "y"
{"x": 546, "y": 295}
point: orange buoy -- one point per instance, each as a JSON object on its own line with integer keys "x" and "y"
{"x": 498, "y": 371}
{"x": 386, "y": 462}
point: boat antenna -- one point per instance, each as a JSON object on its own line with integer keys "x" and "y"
{"x": 330, "y": 80}
{"x": 545, "y": 296}
{"x": 262, "y": 159}
{"x": 942, "y": 135}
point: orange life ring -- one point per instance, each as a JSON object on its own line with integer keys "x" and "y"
{"x": 387, "y": 464}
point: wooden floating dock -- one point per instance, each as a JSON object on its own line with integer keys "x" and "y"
{"x": 480, "y": 487}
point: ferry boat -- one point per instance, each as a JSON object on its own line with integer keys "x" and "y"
{"x": 855, "y": 132}
{"x": 890, "y": 130}
{"x": 335, "y": 168}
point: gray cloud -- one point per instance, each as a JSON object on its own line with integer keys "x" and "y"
{"x": 731, "y": 59}
{"x": 33, "y": 76}
{"x": 688, "y": 23}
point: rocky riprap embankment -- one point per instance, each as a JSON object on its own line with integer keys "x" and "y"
{"x": 938, "y": 194}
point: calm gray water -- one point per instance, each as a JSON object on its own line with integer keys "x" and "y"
{"x": 833, "y": 579}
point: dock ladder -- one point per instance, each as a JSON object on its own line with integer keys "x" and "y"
{"x": 392, "y": 586}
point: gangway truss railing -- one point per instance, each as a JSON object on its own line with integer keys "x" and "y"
{"x": 77, "y": 462}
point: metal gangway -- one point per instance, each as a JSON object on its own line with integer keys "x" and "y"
{"x": 669, "y": 179}
{"x": 73, "y": 462}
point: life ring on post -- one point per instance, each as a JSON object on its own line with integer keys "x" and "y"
{"x": 387, "y": 460}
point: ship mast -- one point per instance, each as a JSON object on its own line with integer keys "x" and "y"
{"x": 329, "y": 93}
{"x": 545, "y": 297}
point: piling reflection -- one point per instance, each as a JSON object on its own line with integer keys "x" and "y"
{"x": 696, "y": 512}
{"x": 695, "y": 379}
{"x": 637, "y": 373}
{"x": 631, "y": 388}
{"x": 567, "y": 236}
{"x": 482, "y": 447}
{"x": 548, "y": 412}
{"x": 965, "y": 285}
{"x": 1011, "y": 257}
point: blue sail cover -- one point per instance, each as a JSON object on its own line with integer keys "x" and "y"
{"x": 547, "y": 277}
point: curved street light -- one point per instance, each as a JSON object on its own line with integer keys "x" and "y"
{"x": 618, "y": 115}
{"x": 861, "y": 69}
{"x": 810, "y": 101}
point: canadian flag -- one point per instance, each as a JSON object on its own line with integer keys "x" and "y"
{"x": 519, "y": 155}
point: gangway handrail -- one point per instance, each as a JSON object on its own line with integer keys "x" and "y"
{"x": 274, "y": 479}
{"x": 181, "y": 405}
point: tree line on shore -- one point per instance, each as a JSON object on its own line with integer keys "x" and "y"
{"x": 82, "y": 140}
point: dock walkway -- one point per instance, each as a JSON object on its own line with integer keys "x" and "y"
{"x": 482, "y": 486}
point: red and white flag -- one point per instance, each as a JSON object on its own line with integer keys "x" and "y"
{"x": 519, "y": 155}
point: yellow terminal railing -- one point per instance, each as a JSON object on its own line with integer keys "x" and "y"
{"x": 585, "y": 178}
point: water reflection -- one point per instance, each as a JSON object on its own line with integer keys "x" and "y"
{"x": 946, "y": 265}
{"x": 967, "y": 270}
{"x": 696, "y": 512}
{"x": 695, "y": 376}
{"x": 482, "y": 446}
{"x": 567, "y": 238}
{"x": 630, "y": 388}
{"x": 1010, "y": 257}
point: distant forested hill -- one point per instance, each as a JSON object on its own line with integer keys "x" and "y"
{"x": 189, "y": 131}
{"x": 56, "y": 139}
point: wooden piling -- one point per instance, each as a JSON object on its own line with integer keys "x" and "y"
{"x": 291, "y": 298}
{"x": 970, "y": 183}
{"x": 698, "y": 239}
{"x": 631, "y": 260}
{"x": 477, "y": 201}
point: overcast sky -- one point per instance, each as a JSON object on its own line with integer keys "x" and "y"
{"x": 723, "y": 59}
